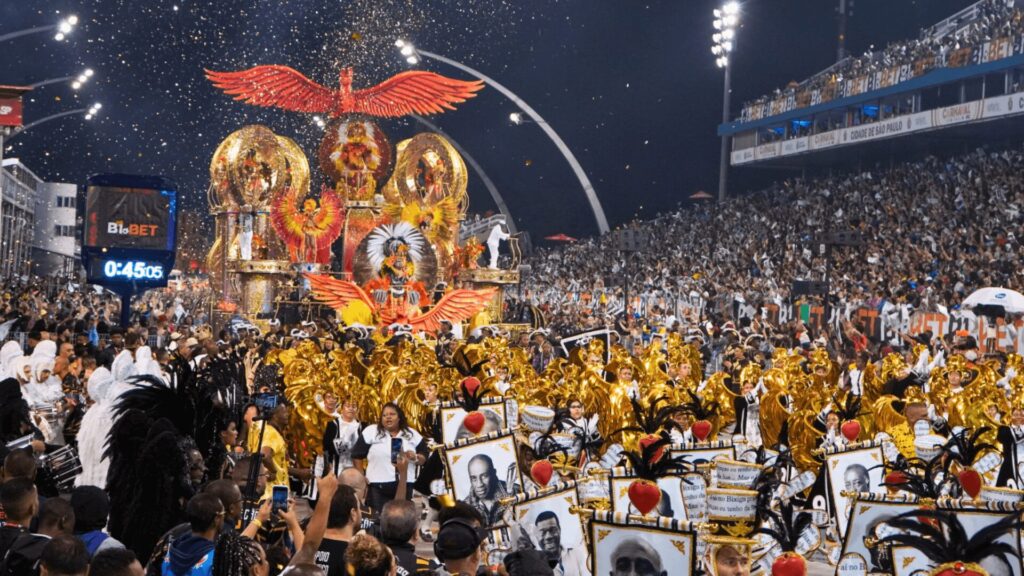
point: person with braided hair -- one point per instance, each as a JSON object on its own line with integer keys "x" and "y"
{"x": 236, "y": 555}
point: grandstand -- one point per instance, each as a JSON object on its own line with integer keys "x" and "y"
{"x": 959, "y": 84}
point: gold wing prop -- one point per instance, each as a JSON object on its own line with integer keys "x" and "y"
{"x": 773, "y": 416}
{"x": 456, "y": 306}
{"x": 438, "y": 221}
{"x": 337, "y": 293}
{"x": 886, "y": 415}
{"x": 803, "y": 439}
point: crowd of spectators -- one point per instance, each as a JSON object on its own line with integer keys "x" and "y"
{"x": 991, "y": 19}
{"x": 934, "y": 231}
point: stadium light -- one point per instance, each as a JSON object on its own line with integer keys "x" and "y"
{"x": 723, "y": 39}
{"x": 93, "y": 111}
{"x": 63, "y": 28}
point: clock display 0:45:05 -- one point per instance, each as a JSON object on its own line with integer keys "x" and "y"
{"x": 132, "y": 270}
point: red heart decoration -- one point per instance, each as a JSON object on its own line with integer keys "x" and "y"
{"x": 541, "y": 472}
{"x": 971, "y": 481}
{"x": 647, "y": 441}
{"x": 474, "y": 422}
{"x": 644, "y": 495}
{"x": 850, "y": 430}
{"x": 895, "y": 477}
{"x": 701, "y": 429}
{"x": 471, "y": 384}
{"x": 789, "y": 564}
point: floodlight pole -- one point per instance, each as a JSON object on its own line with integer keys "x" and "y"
{"x": 27, "y": 31}
{"x": 47, "y": 119}
{"x": 723, "y": 158}
{"x": 50, "y": 81}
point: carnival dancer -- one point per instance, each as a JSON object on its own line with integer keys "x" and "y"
{"x": 588, "y": 439}
{"x": 92, "y": 436}
{"x": 1011, "y": 438}
{"x": 748, "y": 406}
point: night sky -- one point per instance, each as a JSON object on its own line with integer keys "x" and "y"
{"x": 630, "y": 85}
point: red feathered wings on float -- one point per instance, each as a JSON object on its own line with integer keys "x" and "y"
{"x": 456, "y": 306}
{"x": 412, "y": 92}
{"x": 293, "y": 225}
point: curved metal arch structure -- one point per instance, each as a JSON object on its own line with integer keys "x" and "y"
{"x": 588, "y": 188}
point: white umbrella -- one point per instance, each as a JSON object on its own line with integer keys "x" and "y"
{"x": 1011, "y": 301}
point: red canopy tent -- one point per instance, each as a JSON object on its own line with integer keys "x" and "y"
{"x": 560, "y": 238}
{"x": 701, "y": 195}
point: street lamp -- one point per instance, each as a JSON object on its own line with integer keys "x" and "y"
{"x": 93, "y": 111}
{"x": 77, "y": 81}
{"x": 90, "y": 113}
{"x": 408, "y": 50}
{"x": 415, "y": 55}
{"x": 727, "y": 18}
{"x": 63, "y": 28}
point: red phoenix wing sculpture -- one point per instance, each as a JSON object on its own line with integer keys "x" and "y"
{"x": 413, "y": 92}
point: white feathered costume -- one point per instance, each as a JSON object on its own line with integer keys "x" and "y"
{"x": 92, "y": 435}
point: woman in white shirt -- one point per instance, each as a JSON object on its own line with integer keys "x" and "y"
{"x": 374, "y": 445}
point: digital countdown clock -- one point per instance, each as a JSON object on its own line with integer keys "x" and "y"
{"x": 128, "y": 270}
{"x": 129, "y": 233}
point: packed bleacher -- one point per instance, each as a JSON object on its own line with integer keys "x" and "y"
{"x": 988, "y": 30}
{"x": 934, "y": 231}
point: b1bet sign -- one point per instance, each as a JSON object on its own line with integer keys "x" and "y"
{"x": 129, "y": 236}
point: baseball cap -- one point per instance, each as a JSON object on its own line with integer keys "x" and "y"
{"x": 458, "y": 539}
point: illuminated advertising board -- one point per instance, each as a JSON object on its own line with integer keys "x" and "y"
{"x": 129, "y": 231}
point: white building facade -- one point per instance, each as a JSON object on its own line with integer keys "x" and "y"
{"x": 19, "y": 187}
{"x": 55, "y": 248}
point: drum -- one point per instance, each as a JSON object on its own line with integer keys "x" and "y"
{"x": 64, "y": 466}
{"x": 537, "y": 418}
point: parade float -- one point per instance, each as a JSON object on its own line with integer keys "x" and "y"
{"x": 380, "y": 242}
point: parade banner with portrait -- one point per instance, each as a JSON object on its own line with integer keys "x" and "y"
{"x": 908, "y": 561}
{"x": 975, "y": 519}
{"x": 452, "y": 415}
{"x": 484, "y": 472}
{"x": 624, "y": 544}
{"x": 672, "y": 504}
{"x": 869, "y": 512}
{"x": 545, "y": 520}
{"x": 856, "y": 469}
